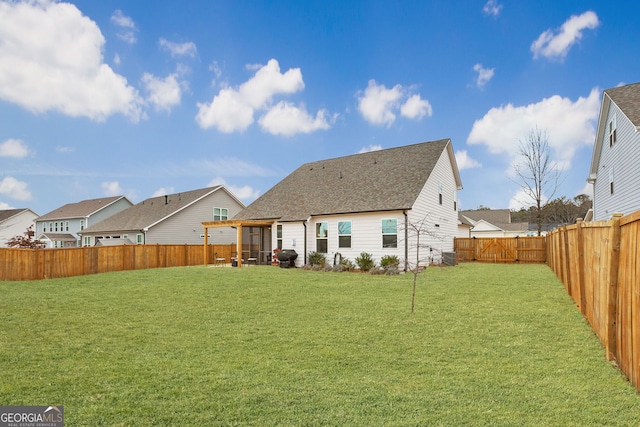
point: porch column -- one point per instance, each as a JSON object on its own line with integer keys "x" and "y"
{"x": 239, "y": 245}
{"x": 206, "y": 244}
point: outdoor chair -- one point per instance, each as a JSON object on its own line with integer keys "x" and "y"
{"x": 219, "y": 261}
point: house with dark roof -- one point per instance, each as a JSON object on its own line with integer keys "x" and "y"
{"x": 493, "y": 223}
{"x": 169, "y": 219}
{"x": 15, "y": 222}
{"x": 367, "y": 202}
{"x": 61, "y": 227}
{"x": 614, "y": 170}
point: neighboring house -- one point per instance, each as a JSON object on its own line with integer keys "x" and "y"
{"x": 170, "y": 219}
{"x": 614, "y": 169}
{"x": 493, "y": 223}
{"x": 464, "y": 226}
{"x": 14, "y": 222}
{"x": 61, "y": 227}
{"x": 363, "y": 203}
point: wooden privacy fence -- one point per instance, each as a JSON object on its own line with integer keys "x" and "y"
{"x": 34, "y": 264}
{"x": 524, "y": 250}
{"x": 599, "y": 266}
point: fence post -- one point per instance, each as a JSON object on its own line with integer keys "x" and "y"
{"x": 612, "y": 303}
{"x": 580, "y": 270}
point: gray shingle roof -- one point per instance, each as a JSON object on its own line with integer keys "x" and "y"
{"x": 382, "y": 180}
{"x": 79, "y": 209}
{"x": 8, "y": 213}
{"x": 628, "y": 99}
{"x": 493, "y": 216}
{"x": 149, "y": 211}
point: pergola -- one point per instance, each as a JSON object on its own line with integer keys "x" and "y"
{"x": 233, "y": 223}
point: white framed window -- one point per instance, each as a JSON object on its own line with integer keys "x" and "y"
{"x": 344, "y": 234}
{"x": 139, "y": 240}
{"x": 455, "y": 200}
{"x": 50, "y": 226}
{"x": 87, "y": 240}
{"x": 56, "y": 225}
{"x": 440, "y": 193}
{"x": 279, "y": 236}
{"x": 82, "y": 224}
{"x": 66, "y": 226}
{"x": 220, "y": 214}
{"x": 390, "y": 233}
{"x": 612, "y": 131}
{"x": 611, "y": 181}
{"x": 322, "y": 237}
{"x": 44, "y": 227}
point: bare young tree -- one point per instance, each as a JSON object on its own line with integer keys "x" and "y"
{"x": 539, "y": 177}
{"x": 417, "y": 233}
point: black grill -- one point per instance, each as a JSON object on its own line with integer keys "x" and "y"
{"x": 287, "y": 258}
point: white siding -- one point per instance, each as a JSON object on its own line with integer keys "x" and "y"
{"x": 623, "y": 158}
{"x": 292, "y": 238}
{"x": 16, "y": 226}
{"x": 439, "y": 220}
{"x": 366, "y": 235}
{"x": 186, "y": 225}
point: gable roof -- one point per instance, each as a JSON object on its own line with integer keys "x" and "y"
{"x": 381, "y": 180}
{"x": 627, "y": 98}
{"x": 149, "y": 212}
{"x": 493, "y": 216}
{"x": 6, "y": 214}
{"x": 81, "y": 209}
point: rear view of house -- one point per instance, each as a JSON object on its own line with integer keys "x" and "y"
{"x": 367, "y": 202}
{"x": 616, "y": 154}
{"x": 169, "y": 219}
{"x": 61, "y": 227}
{"x": 15, "y": 222}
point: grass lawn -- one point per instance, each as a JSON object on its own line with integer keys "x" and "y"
{"x": 487, "y": 345}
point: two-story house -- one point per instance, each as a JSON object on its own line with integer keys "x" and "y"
{"x": 60, "y": 228}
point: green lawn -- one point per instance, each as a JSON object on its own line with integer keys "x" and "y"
{"x": 487, "y": 345}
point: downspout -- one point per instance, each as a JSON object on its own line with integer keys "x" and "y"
{"x": 304, "y": 224}
{"x": 406, "y": 240}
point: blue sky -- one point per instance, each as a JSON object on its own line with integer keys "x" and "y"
{"x": 145, "y": 98}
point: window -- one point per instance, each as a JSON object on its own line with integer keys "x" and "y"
{"x": 66, "y": 226}
{"x": 220, "y": 214}
{"x": 455, "y": 200}
{"x": 139, "y": 239}
{"x": 344, "y": 234}
{"x": 87, "y": 241}
{"x": 612, "y": 131}
{"x": 279, "y": 236}
{"x": 50, "y": 226}
{"x": 44, "y": 227}
{"x": 322, "y": 235}
{"x": 56, "y": 226}
{"x": 82, "y": 224}
{"x": 611, "y": 180}
{"x": 440, "y": 193}
{"x": 389, "y": 233}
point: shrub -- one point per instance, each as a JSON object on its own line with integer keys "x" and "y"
{"x": 317, "y": 258}
{"x": 389, "y": 261}
{"x": 365, "y": 261}
{"x": 347, "y": 264}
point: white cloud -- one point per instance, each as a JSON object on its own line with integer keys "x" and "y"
{"x": 4, "y": 205}
{"x": 63, "y": 149}
{"x": 232, "y": 109}
{"x": 112, "y": 188}
{"x": 15, "y": 148}
{"x": 569, "y": 126}
{"x": 179, "y": 49}
{"x": 465, "y": 162}
{"x": 51, "y": 59}
{"x": 245, "y": 193}
{"x": 484, "y": 74}
{"x": 9, "y": 186}
{"x": 416, "y": 108}
{"x": 370, "y": 148}
{"x": 587, "y": 189}
{"x": 286, "y": 119}
{"x": 163, "y": 191}
{"x": 379, "y": 105}
{"x": 556, "y": 44}
{"x": 492, "y": 7}
{"x": 522, "y": 200}
{"x": 127, "y": 27}
{"x": 162, "y": 93}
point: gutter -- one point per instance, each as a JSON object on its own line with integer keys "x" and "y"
{"x": 406, "y": 240}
